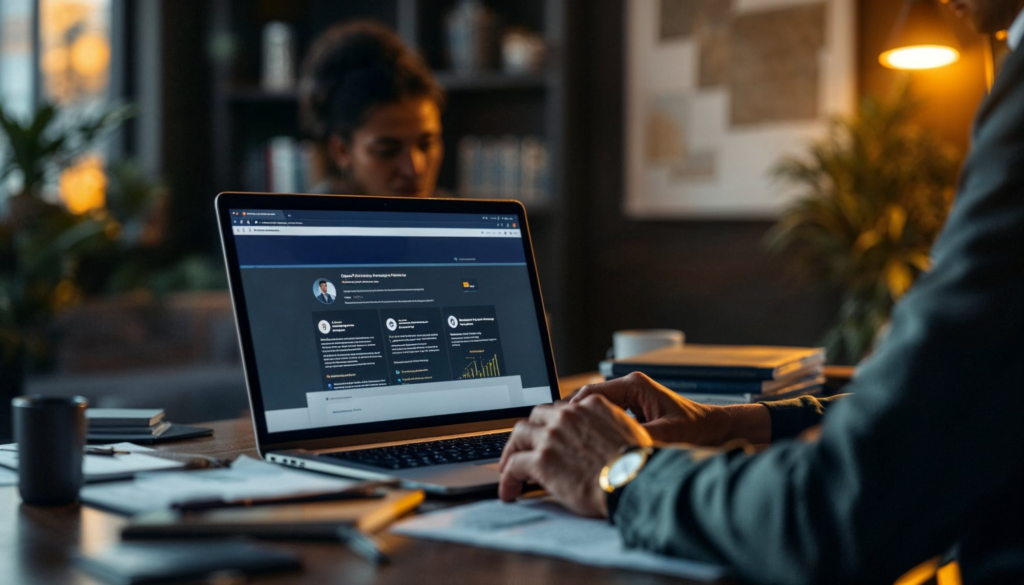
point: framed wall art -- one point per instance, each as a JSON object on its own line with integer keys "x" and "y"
{"x": 718, "y": 91}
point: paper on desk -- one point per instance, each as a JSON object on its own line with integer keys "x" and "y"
{"x": 246, "y": 478}
{"x": 545, "y": 528}
{"x": 102, "y": 467}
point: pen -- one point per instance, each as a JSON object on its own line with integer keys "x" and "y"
{"x": 363, "y": 545}
{"x": 217, "y": 503}
{"x": 107, "y": 451}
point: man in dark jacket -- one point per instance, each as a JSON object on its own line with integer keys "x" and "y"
{"x": 924, "y": 458}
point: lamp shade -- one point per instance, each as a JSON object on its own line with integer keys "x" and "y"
{"x": 921, "y": 39}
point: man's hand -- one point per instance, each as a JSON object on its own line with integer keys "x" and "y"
{"x": 670, "y": 418}
{"x": 563, "y": 447}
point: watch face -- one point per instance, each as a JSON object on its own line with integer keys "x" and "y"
{"x": 625, "y": 468}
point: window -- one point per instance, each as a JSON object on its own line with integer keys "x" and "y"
{"x": 74, "y": 43}
{"x": 16, "y": 75}
{"x": 59, "y": 51}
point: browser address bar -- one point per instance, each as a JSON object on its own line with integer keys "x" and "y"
{"x": 376, "y": 232}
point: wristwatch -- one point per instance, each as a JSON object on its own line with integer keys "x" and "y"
{"x": 622, "y": 470}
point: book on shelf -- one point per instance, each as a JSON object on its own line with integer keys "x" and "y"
{"x": 507, "y": 167}
{"x": 281, "y": 165}
{"x": 729, "y": 362}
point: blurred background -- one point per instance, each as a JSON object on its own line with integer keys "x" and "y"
{"x": 123, "y": 119}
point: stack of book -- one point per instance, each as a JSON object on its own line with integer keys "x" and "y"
{"x": 125, "y": 424}
{"x": 728, "y": 374}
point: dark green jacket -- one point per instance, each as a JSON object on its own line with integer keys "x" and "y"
{"x": 926, "y": 456}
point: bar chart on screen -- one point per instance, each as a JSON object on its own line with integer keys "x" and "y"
{"x": 476, "y": 369}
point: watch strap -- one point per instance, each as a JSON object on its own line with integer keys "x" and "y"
{"x": 615, "y": 495}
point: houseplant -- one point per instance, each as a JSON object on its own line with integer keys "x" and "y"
{"x": 41, "y": 241}
{"x": 875, "y": 193}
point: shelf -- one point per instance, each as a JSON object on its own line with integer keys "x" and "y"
{"x": 450, "y": 80}
{"x": 257, "y": 95}
{"x": 491, "y": 80}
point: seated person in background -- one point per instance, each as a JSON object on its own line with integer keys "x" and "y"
{"x": 924, "y": 458}
{"x": 374, "y": 110}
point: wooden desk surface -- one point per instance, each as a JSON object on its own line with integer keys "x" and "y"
{"x": 37, "y": 544}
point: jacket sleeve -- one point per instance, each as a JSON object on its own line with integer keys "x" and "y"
{"x": 796, "y": 415}
{"x": 932, "y": 431}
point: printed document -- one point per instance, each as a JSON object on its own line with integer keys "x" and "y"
{"x": 545, "y": 528}
{"x": 105, "y": 467}
{"x": 247, "y": 478}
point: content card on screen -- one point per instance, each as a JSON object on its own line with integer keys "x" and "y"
{"x": 360, "y": 317}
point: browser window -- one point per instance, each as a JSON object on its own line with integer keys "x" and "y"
{"x": 361, "y": 317}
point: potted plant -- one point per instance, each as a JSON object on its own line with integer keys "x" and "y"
{"x": 41, "y": 241}
{"x": 875, "y": 194}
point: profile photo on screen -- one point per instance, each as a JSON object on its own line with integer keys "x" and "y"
{"x": 324, "y": 291}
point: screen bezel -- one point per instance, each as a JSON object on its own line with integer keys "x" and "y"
{"x": 366, "y": 433}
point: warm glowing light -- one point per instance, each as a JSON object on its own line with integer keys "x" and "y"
{"x": 1002, "y": 35}
{"x": 74, "y": 50}
{"x": 90, "y": 55}
{"x": 83, "y": 186}
{"x": 919, "y": 57}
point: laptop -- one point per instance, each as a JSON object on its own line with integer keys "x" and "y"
{"x": 386, "y": 338}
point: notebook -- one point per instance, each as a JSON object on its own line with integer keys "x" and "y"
{"x": 319, "y": 520}
{"x": 721, "y": 361}
{"x": 123, "y": 417}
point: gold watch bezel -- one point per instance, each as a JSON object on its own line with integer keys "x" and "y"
{"x": 603, "y": 480}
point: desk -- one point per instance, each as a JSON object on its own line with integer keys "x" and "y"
{"x": 36, "y": 544}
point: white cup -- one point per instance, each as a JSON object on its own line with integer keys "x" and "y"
{"x": 626, "y": 344}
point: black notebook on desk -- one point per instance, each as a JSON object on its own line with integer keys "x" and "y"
{"x": 167, "y": 562}
{"x": 174, "y": 433}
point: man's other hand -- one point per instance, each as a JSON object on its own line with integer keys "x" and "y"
{"x": 670, "y": 418}
{"x": 563, "y": 447}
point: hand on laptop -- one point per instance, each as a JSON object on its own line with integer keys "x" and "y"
{"x": 670, "y": 418}
{"x": 563, "y": 447}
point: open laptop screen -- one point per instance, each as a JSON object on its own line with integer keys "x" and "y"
{"x": 362, "y": 317}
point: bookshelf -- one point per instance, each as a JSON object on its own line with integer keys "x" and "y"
{"x": 486, "y": 104}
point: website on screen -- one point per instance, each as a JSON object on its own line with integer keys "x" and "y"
{"x": 362, "y": 317}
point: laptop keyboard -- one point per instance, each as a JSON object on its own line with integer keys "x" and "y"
{"x": 458, "y": 450}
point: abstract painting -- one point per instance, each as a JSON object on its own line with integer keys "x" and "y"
{"x": 717, "y": 91}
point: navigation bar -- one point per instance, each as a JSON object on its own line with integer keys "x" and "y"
{"x": 376, "y": 232}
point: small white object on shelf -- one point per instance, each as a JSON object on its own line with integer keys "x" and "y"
{"x": 278, "y": 57}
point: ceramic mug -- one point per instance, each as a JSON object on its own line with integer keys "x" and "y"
{"x": 633, "y": 342}
{"x": 51, "y": 434}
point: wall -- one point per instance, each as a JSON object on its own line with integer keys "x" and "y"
{"x": 713, "y": 280}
